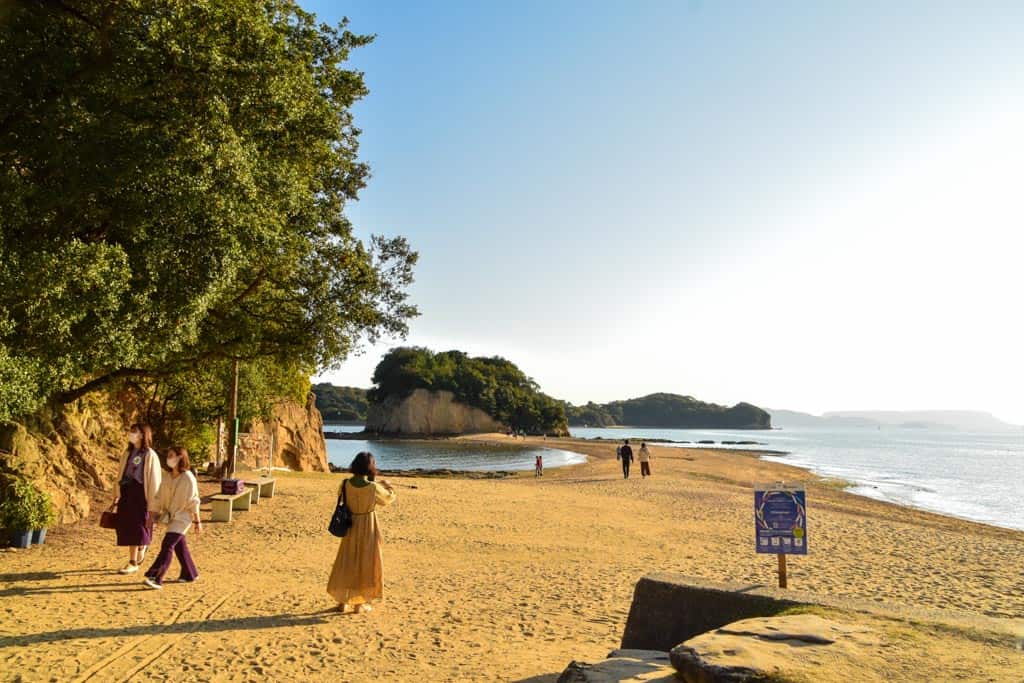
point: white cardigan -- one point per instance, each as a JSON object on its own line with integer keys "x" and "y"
{"x": 180, "y": 497}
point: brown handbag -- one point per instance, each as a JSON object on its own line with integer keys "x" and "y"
{"x": 108, "y": 519}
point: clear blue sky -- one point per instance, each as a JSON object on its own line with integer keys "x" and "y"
{"x": 802, "y": 205}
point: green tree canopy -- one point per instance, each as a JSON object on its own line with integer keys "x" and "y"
{"x": 494, "y": 385}
{"x": 173, "y": 178}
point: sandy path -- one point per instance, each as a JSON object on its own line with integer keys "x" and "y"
{"x": 484, "y": 579}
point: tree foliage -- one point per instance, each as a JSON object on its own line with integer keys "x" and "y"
{"x": 494, "y": 385}
{"x": 173, "y": 178}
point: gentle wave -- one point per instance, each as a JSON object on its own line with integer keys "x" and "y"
{"x": 972, "y": 475}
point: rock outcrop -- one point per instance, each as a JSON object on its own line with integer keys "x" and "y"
{"x": 297, "y": 434}
{"x": 622, "y": 665}
{"x": 428, "y": 413}
{"x": 71, "y": 452}
{"x": 791, "y": 646}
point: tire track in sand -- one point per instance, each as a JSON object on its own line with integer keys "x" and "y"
{"x": 133, "y": 646}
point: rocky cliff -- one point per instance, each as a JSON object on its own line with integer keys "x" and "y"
{"x": 296, "y": 433}
{"x": 428, "y": 413}
{"x": 73, "y": 451}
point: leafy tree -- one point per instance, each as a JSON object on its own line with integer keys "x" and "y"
{"x": 494, "y": 385}
{"x": 173, "y": 178}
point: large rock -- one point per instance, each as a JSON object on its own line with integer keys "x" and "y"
{"x": 297, "y": 434}
{"x": 622, "y": 665}
{"x": 428, "y": 413}
{"x": 803, "y": 646}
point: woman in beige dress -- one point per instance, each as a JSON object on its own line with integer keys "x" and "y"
{"x": 357, "y": 576}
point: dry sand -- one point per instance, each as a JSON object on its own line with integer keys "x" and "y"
{"x": 485, "y": 580}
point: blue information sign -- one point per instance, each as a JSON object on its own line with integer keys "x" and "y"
{"x": 780, "y": 517}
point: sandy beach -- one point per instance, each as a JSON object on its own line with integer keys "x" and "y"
{"x": 486, "y": 579}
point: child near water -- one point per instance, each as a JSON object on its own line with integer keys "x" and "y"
{"x": 539, "y": 466}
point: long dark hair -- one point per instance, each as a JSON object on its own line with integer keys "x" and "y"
{"x": 364, "y": 464}
{"x": 147, "y": 436}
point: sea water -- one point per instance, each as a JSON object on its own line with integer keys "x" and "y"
{"x": 470, "y": 456}
{"x": 973, "y": 475}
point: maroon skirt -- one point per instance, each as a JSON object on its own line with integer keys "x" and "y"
{"x": 132, "y": 515}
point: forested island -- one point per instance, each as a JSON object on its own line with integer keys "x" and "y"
{"x": 669, "y": 411}
{"x": 341, "y": 404}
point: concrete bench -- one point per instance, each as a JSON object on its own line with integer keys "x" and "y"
{"x": 224, "y": 504}
{"x": 262, "y": 487}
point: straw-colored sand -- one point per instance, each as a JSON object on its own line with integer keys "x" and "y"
{"x": 485, "y": 579}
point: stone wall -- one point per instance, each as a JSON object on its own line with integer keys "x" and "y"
{"x": 668, "y": 609}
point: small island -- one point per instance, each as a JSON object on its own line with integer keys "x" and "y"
{"x": 669, "y": 411}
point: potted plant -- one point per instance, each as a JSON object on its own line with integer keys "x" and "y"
{"x": 17, "y": 514}
{"x": 42, "y": 514}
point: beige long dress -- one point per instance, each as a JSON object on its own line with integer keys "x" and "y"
{"x": 357, "y": 575}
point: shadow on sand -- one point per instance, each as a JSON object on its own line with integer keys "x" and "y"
{"x": 51, "y": 576}
{"x": 183, "y": 627}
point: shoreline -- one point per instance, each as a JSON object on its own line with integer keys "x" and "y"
{"x": 844, "y": 485}
{"x": 500, "y": 440}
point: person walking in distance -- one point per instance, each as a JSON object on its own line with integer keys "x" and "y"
{"x": 626, "y": 456}
{"x": 539, "y": 466}
{"x": 645, "y": 460}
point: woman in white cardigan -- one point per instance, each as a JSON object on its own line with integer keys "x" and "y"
{"x": 178, "y": 508}
{"x": 137, "y": 491}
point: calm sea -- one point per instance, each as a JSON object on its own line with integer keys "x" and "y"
{"x": 973, "y": 475}
{"x": 454, "y": 455}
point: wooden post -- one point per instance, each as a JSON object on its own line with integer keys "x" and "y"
{"x": 273, "y": 448}
{"x": 233, "y": 422}
{"x": 219, "y": 460}
{"x": 782, "y": 570}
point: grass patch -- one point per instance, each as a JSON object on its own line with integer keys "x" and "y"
{"x": 835, "y": 483}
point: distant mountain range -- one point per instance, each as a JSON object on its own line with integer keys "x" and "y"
{"x": 964, "y": 420}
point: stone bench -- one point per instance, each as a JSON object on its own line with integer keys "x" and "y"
{"x": 263, "y": 487}
{"x": 223, "y": 504}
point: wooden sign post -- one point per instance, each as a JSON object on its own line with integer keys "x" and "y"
{"x": 780, "y": 523}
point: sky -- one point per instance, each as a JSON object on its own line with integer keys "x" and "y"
{"x": 811, "y": 206}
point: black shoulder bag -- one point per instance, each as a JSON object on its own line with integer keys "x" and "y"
{"x": 341, "y": 520}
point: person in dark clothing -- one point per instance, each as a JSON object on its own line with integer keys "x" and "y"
{"x": 626, "y": 456}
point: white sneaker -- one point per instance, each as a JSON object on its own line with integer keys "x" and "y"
{"x": 152, "y": 583}
{"x": 128, "y": 569}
